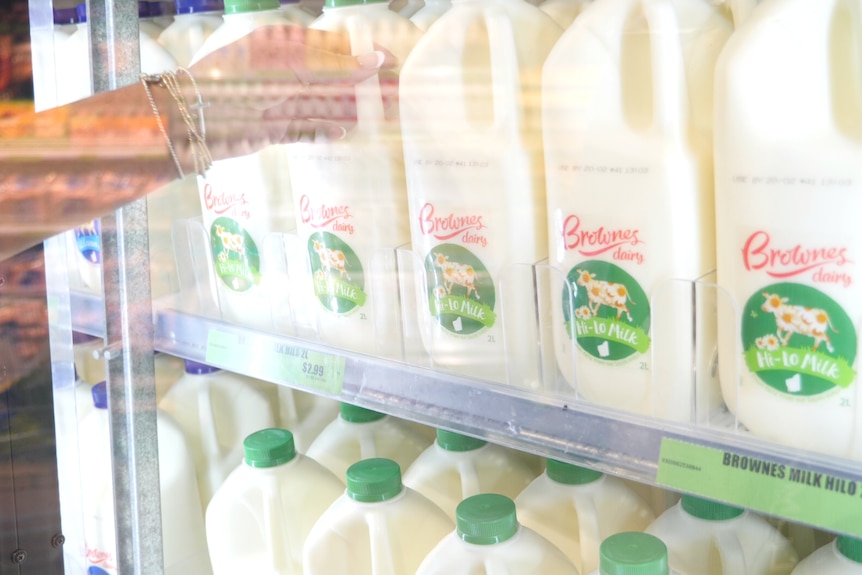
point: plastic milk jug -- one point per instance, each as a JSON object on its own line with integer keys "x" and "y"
{"x": 564, "y": 12}
{"x": 841, "y": 557}
{"x": 429, "y": 13}
{"x": 576, "y": 508}
{"x": 305, "y": 414}
{"x": 195, "y": 20}
{"x": 258, "y": 520}
{"x": 350, "y": 197}
{"x": 633, "y": 553}
{"x": 457, "y": 467}
{"x": 789, "y": 346}
{"x": 216, "y": 409}
{"x": 488, "y": 540}
{"x": 73, "y": 63}
{"x": 377, "y": 527}
{"x": 627, "y": 98}
{"x": 708, "y": 538}
{"x": 296, "y": 12}
{"x": 238, "y": 195}
{"x": 360, "y": 433}
{"x": 470, "y": 121}
{"x": 185, "y": 548}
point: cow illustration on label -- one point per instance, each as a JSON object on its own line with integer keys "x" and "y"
{"x": 608, "y": 312}
{"x": 460, "y": 290}
{"x": 600, "y": 292}
{"x": 337, "y": 273}
{"x": 455, "y": 273}
{"x": 794, "y": 348}
{"x": 235, "y": 255}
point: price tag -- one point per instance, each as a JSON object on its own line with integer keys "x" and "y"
{"x": 276, "y": 362}
{"x": 755, "y": 482}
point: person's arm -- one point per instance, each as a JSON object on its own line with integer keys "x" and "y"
{"x": 65, "y": 166}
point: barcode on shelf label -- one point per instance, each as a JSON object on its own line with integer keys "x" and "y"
{"x": 757, "y": 482}
{"x": 278, "y": 362}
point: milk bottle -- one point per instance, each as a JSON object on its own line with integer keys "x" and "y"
{"x": 564, "y": 12}
{"x": 789, "y": 346}
{"x": 429, "y": 13}
{"x": 708, "y": 538}
{"x": 259, "y": 519}
{"x": 633, "y": 553}
{"x": 457, "y": 467}
{"x": 146, "y": 21}
{"x": 627, "y": 98}
{"x": 472, "y": 150}
{"x": 576, "y": 508}
{"x": 73, "y": 66}
{"x": 216, "y": 409}
{"x": 841, "y": 557}
{"x": 349, "y": 194}
{"x": 195, "y": 20}
{"x": 489, "y": 541}
{"x": 237, "y": 194}
{"x": 185, "y": 551}
{"x": 305, "y": 414}
{"x": 377, "y": 527}
{"x": 360, "y": 433}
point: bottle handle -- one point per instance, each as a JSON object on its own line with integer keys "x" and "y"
{"x": 588, "y": 529}
{"x": 731, "y": 554}
{"x": 381, "y": 545}
{"x": 369, "y": 97}
{"x": 209, "y": 438}
{"x": 505, "y": 72}
{"x": 280, "y": 536}
{"x": 670, "y": 94}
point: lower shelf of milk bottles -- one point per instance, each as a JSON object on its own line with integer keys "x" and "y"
{"x": 703, "y": 451}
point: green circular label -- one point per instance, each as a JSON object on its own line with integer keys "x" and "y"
{"x": 337, "y": 273}
{"x": 235, "y": 255}
{"x": 460, "y": 290}
{"x": 798, "y": 340}
{"x": 611, "y": 311}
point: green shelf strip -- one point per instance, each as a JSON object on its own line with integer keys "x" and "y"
{"x": 277, "y": 362}
{"x": 757, "y": 482}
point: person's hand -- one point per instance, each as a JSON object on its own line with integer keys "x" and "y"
{"x": 279, "y": 84}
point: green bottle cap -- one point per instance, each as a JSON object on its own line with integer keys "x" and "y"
{"x": 269, "y": 447}
{"x": 243, "y": 6}
{"x": 633, "y": 554}
{"x": 451, "y": 441}
{"x": 356, "y": 414}
{"x": 709, "y": 510}
{"x": 569, "y": 474}
{"x": 343, "y": 3}
{"x": 850, "y": 547}
{"x": 373, "y": 480}
{"x": 486, "y": 519}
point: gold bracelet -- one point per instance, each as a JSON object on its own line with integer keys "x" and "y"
{"x": 196, "y": 132}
